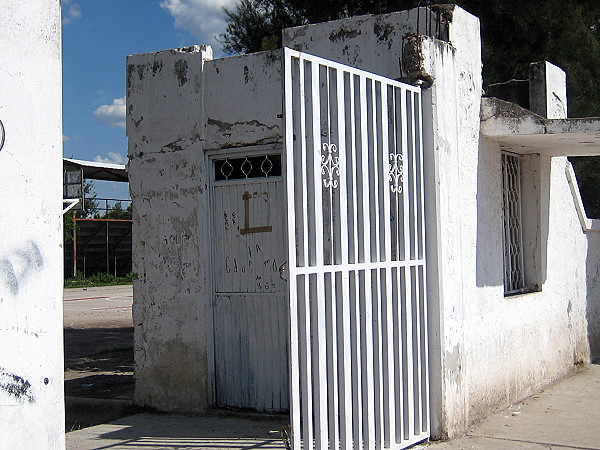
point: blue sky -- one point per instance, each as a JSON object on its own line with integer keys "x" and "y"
{"x": 97, "y": 37}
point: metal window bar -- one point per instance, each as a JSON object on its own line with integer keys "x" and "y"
{"x": 512, "y": 224}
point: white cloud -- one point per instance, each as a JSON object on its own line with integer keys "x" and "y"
{"x": 114, "y": 114}
{"x": 71, "y": 11}
{"x": 204, "y": 19}
{"x": 66, "y": 138}
{"x": 112, "y": 158}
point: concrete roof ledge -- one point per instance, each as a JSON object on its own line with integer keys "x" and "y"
{"x": 519, "y": 130}
{"x": 500, "y": 118}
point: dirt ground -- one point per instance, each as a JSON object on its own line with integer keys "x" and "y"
{"x": 99, "y": 362}
{"x": 98, "y": 344}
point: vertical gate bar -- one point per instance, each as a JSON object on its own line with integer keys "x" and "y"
{"x": 374, "y": 211}
{"x": 400, "y": 197}
{"x": 396, "y": 280}
{"x": 331, "y": 300}
{"x": 411, "y": 174}
{"x": 419, "y": 177}
{"x": 374, "y": 181}
{"x": 408, "y": 231}
{"x": 307, "y": 152}
{"x": 414, "y": 171}
{"x": 345, "y": 365}
{"x": 417, "y": 356}
{"x": 294, "y": 369}
{"x": 367, "y": 329}
{"x": 320, "y": 363}
{"x": 332, "y": 363}
{"x": 303, "y": 175}
{"x": 305, "y": 377}
{"x": 385, "y": 255}
{"x": 353, "y": 258}
{"x": 423, "y": 277}
{"x": 290, "y": 179}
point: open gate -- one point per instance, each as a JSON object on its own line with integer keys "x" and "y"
{"x": 358, "y": 329}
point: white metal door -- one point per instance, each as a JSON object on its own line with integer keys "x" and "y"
{"x": 358, "y": 331}
{"x": 250, "y": 314}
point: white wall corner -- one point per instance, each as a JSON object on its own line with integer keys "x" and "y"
{"x": 587, "y": 225}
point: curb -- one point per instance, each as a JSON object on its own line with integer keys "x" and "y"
{"x": 82, "y": 412}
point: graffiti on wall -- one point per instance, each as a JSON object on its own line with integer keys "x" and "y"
{"x": 14, "y": 388}
{"x": 17, "y": 268}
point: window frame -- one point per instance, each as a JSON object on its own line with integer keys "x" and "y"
{"x": 512, "y": 224}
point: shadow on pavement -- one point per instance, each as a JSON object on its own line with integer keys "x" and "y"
{"x": 98, "y": 375}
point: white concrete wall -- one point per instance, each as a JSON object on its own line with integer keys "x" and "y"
{"x": 493, "y": 349}
{"x": 31, "y": 355}
{"x": 244, "y": 101}
{"x": 180, "y": 104}
{"x": 372, "y": 43}
{"x": 516, "y": 345}
{"x": 168, "y": 186}
{"x": 486, "y": 351}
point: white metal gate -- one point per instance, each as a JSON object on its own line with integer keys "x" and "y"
{"x": 358, "y": 331}
{"x": 250, "y": 313}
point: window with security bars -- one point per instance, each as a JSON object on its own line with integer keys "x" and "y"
{"x": 514, "y": 279}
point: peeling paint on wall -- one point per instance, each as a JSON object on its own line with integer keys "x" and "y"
{"x": 343, "y": 33}
{"x": 180, "y": 69}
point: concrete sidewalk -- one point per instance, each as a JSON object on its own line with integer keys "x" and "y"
{"x": 566, "y": 415}
{"x": 563, "y": 416}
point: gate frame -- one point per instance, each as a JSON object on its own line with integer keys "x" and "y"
{"x": 429, "y": 290}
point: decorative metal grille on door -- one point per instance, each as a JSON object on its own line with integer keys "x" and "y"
{"x": 354, "y": 175}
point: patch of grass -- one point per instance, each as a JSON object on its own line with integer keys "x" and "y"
{"x": 99, "y": 279}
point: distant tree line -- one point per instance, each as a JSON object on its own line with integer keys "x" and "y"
{"x": 514, "y": 33}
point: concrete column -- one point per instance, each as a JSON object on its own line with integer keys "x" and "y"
{"x": 548, "y": 90}
{"x": 452, "y": 80}
{"x": 168, "y": 186}
{"x": 31, "y": 254}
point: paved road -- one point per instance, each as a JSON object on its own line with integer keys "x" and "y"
{"x": 98, "y": 307}
{"x": 563, "y": 416}
{"x": 98, "y": 338}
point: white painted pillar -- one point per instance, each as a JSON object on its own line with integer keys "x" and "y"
{"x": 168, "y": 186}
{"x": 31, "y": 254}
{"x": 548, "y": 90}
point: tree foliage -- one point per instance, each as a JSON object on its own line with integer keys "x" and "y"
{"x": 515, "y": 33}
{"x": 117, "y": 212}
{"x": 90, "y": 204}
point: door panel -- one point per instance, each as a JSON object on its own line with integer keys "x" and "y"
{"x": 249, "y": 305}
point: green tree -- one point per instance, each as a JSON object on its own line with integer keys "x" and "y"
{"x": 514, "y": 32}
{"x": 90, "y": 204}
{"x": 117, "y": 212}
